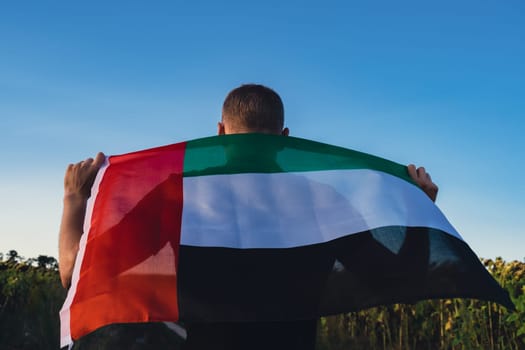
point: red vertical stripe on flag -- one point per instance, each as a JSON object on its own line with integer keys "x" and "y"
{"x": 129, "y": 268}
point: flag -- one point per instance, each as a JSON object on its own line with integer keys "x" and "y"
{"x": 253, "y": 227}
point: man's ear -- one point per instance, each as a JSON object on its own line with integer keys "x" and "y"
{"x": 220, "y": 128}
{"x": 285, "y": 132}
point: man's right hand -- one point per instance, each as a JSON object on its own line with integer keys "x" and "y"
{"x": 77, "y": 188}
{"x": 80, "y": 176}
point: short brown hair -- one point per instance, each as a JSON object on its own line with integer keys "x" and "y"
{"x": 254, "y": 107}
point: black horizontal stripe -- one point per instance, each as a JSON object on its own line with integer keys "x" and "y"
{"x": 387, "y": 265}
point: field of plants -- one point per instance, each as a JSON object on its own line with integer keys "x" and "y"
{"x": 31, "y": 295}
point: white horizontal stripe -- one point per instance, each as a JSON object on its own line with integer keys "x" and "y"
{"x": 285, "y": 210}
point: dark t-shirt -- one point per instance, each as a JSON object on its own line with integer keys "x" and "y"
{"x": 300, "y": 335}
{"x": 252, "y": 335}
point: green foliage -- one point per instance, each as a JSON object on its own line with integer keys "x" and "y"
{"x": 436, "y": 324}
{"x": 31, "y": 296}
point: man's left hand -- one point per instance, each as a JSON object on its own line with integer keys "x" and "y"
{"x": 423, "y": 179}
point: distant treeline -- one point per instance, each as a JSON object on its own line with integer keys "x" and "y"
{"x": 31, "y": 296}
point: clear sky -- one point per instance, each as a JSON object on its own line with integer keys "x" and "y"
{"x": 436, "y": 83}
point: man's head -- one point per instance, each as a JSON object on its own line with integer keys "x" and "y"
{"x": 252, "y": 108}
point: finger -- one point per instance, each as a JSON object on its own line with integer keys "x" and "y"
{"x": 421, "y": 173}
{"x": 87, "y": 162}
{"x": 77, "y": 166}
{"x": 425, "y": 179}
{"x": 412, "y": 171}
{"x": 99, "y": 159}
{"x": 69, "y": 170}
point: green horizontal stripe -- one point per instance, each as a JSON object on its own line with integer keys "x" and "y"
{"x": 262, "y": 153}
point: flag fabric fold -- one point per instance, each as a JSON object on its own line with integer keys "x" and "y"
{"x": 254, "y": 227}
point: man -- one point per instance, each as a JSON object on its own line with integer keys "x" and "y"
{"x": 247, "y": 109}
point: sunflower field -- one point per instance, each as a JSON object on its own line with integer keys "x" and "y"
{"x": 31, "y": 296}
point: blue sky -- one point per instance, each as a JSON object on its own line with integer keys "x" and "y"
{"x": 439, "y": 84}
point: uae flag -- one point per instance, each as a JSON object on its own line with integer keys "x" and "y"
{"x": 254, "y": 227}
